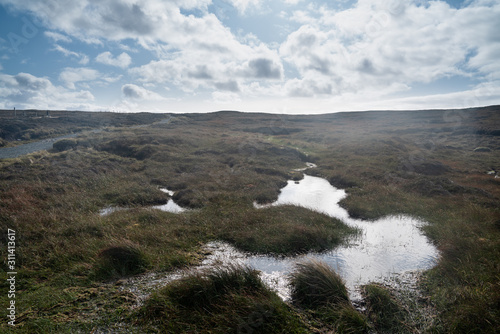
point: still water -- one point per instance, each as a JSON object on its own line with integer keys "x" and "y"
{"x": 170, "y": 206}
{"x": 389, "y": 246}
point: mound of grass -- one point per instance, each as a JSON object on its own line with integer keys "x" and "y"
{"x": 224, "y": 300}
{"x": 280, "y": 230}
{"x": 315, "y": 284}
{"x": 64, "y": 144}
{"x": 319, "y": 290}
{"x": 383, "y": 310}
{"x": 119, "y": 261}
{"x": 350, "y": 321}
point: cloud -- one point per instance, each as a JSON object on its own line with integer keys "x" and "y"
{"x": 200, "y": 72}
{"x": 83, "y": 58}
{"x": 264, "y": 68}
{"x": 243, "y": 5}
{"x": 230, "y": 85}
{"x": 371, "y": 49}
{"x": 134, "y": 92}
{"x": 192, "y": 51}
{"x": 25, "y": 90}
{"x": 31, "y": 83}
{"x": 225, "y": 97}
{"x": 389, "y": 46}
{"x": 113, "y": 20}
{"x": 57, "y": 37}
{"x": 123, "y": 60}
{"x": 130, "y": 18}
{"x": 71, "y": 75}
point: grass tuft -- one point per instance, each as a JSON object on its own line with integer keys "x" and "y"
{"x": 120, "y": 260}
{"x": 315, "y": 284}
{"x": 230, "y": 299}
{"x": 383, "y": 309}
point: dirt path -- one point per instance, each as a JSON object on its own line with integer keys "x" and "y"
{"x": 17, "y": 151}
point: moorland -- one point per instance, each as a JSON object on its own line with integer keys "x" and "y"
{"x": 441, "y": 166}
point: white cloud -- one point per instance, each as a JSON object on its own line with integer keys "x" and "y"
{"x": 112, "y": 79}
{"x": 134, "y": 92}
{"x": 114, "y": 20}
{"x": 83, "y": 59}
{"x": 372, "y": 49}
{"x": 225, "y": 98}
{"x": 28, "y": 91}
{"x": 243, "y": 5}
{"x": 123, "y": 60}
{"x": 206, "y": 51}
{"x": 388, "y": 47}
{"x": 71, "y": 75}
{"x": 57, "y": 37}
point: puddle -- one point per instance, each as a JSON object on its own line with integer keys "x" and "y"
{"x": 171, "y": 206}
{"x": 308, "y": 165}
{"x": 388, "y": 248}
{"x": 391, "y": 245}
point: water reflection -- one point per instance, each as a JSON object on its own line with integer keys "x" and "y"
{"x": 388, "y": 248}
{"x": 170, "y": 206}
{"x": 390, "y": 245}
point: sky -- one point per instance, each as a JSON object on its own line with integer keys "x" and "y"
{"x": 279, "y": 56}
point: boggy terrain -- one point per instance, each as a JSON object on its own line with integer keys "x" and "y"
{"x": 438, "y": 165}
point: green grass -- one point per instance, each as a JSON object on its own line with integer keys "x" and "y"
{"x": 283, "y": 230}
{"x": 317, "y": 288}
{"x": 314, "y": 284}
{"x": 223, "y": 300}
{"x": 384, "y": 311}
{"x": 417, "y": 163}
{"x": 119, "y": 261}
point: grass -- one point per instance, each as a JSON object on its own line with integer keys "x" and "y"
{"x": 223, "y": 300}
{"x": 418, "y": 163}
{"x": 316, "y": 287}
{"x": 120, "y": 260}
{"x": 383, "y": 309}
{"x": 284, "y": 230}
{"x": 315, "y": 284}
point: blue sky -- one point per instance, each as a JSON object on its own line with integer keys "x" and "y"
{"x": 282, "y": 56}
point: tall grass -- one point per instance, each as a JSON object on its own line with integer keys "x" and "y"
{"x": 384, "y": 311}
{"x": 120, "y": 260}
{"x": 315, "y": 284}
{"x": 316, "y": 287}
{"x": 224, "y": 300}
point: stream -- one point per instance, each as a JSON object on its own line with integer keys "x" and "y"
{"x": 47, "y": 144}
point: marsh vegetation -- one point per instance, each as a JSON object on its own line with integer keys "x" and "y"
{"x": 425, "y": 164}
